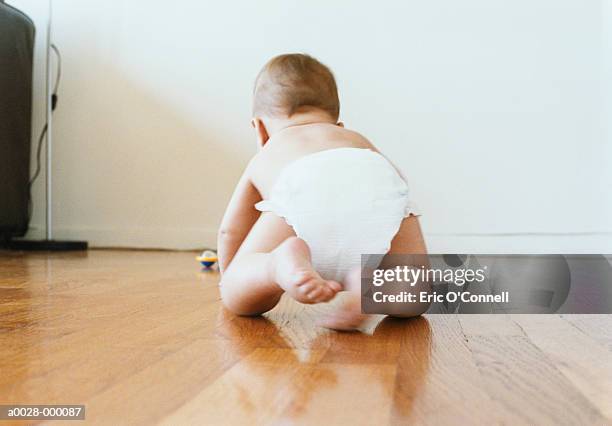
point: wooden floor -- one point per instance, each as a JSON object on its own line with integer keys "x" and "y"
{"x": 141, "y": 338}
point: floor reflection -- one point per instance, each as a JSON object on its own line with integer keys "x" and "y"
{"x": 286, "y": 373}
{"x": 20, "y": 319}
{"x": 413, "y": 365}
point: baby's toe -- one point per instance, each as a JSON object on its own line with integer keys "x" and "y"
{"x": 306, "y": 289}
{"x": 326, "y": 294}
{"x": 316, "y": 293}
{"x": 335, "y": 286}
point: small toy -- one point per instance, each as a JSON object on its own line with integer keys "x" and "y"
{"x": 208, "y": 258}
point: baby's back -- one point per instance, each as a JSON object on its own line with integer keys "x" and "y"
{"x": 298, "y": 141}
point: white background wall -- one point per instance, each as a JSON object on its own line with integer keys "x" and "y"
{"x": 498, "y": 112}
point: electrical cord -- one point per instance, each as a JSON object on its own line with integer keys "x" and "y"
{"x": 41, "y": 138}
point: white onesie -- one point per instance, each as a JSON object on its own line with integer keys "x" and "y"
{"x": 343, "y": 202}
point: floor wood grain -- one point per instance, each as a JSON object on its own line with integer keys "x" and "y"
{"x": 140, "y": 337}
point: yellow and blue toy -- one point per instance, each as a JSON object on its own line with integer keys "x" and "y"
{"x": 207, "y": 259}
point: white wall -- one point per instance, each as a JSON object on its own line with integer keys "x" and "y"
{"x": 496, "y": 110}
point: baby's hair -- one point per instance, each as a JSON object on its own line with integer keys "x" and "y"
{"x": 293, "y": 82}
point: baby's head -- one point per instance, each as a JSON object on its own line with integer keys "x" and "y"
{"x": 292, "y": 85}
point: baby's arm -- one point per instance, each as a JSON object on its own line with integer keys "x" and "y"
{"x": 239, "y": 217}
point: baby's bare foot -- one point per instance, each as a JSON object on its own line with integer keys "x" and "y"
{"x": 295, "y": 274}
{"x": 347, "y": 315}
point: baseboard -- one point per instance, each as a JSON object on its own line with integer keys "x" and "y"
{"x": 536, "y": 243}
{"x": 197, "y": 238}
{"x": 149, "y": 238}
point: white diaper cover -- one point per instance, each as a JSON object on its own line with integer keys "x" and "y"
{"x": 343, "y": 202}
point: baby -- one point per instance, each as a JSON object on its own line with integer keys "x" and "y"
{"x": 312, "y": 200}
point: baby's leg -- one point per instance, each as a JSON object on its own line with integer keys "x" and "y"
{"x": 408, "y": 241}
{"x": 348, "y": 316}
{"x": 270, "y": 261}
